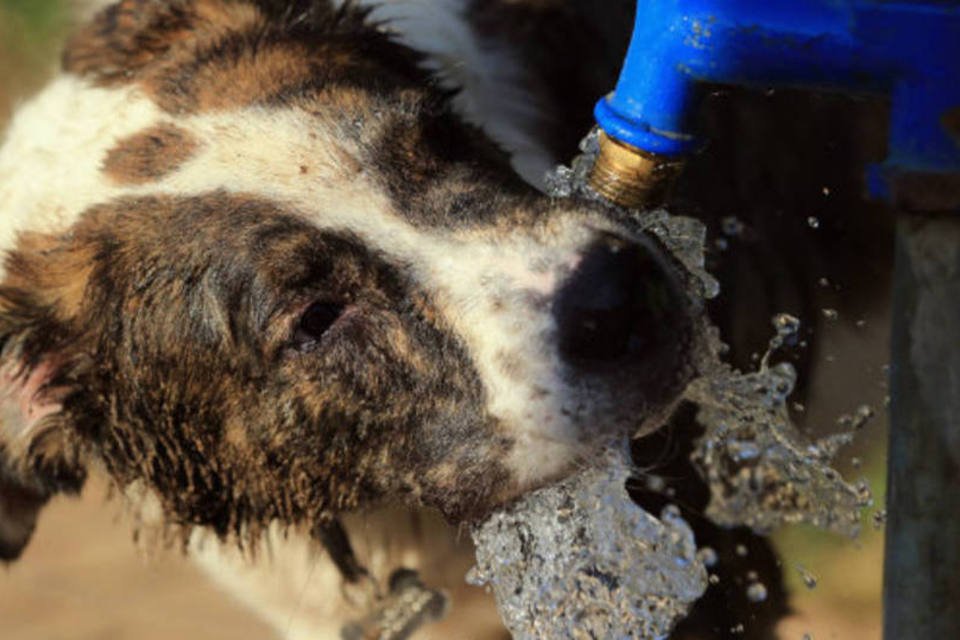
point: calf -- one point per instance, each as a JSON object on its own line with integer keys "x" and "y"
{"x": 262, "y": 273}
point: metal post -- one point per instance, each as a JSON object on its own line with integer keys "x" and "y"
{"x": 922, "y": 566}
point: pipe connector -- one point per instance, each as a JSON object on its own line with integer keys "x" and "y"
{"x": 631, "y": 177}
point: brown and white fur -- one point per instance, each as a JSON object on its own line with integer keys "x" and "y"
{"x": 263, "y": 269}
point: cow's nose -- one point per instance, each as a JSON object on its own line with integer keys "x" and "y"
{"x": 623, "y": 301}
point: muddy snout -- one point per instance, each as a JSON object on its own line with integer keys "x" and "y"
{"x": 624, "y": 311}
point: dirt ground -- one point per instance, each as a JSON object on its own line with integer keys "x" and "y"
{"x": 83, "y": 578}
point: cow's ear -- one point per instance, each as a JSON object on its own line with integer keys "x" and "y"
{"x": 40, "y": 368}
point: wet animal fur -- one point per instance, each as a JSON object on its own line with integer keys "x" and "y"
{"x": 260, "y": 271}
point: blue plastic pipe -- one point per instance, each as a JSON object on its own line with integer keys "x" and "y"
{"x": 907, "y": 51}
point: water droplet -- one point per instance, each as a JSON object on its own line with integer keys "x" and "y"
{"x": 475, "y": 577}
{"x": 671, "y": 514}
{"x": 862, "y": 416}
{"x": 760, "y": 472}
{"x": 707, "y": 556}
{"x": 656, "y": 483}
{"x": 823, "y": 282}
{"x": 879, "y": 518}
{"x": 743, "y": 450}
{"x": 813, "y": 222}
{"x": 560, "y": 183}
{"x": 711, "y": 286}
{"x": 713, "y": 579}
{"x": 741, "y": 550}
{"x": 861, "y": 324}
{"x": 732, "y": 226}
{"x": 825, "y": 191}
{"x": 738, "y": 629}
{"x": 864, "y": 493}
{"x": 830, "y": 314}
{"x": 756, "y": 592}
{"x": 798, "y": 407}
{"x": 786, "y": 327}
{"x": 808, "y": 578}
{"x": 783, "y": 378}
{"x": 786, "y": 324}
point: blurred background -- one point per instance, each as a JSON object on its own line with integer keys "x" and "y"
{"x": 83, "y": 577}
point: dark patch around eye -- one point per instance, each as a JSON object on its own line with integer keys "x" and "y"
{"x": 317, "y": 320}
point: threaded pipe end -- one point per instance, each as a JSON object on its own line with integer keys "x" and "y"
{"x": 630, "y": 177}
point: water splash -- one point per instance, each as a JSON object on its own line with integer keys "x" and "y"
{"x": 580, "y": 560}
{"x": 761, "y": 470}
{"x": 756, "y": 592}
{"x": 685, "y": 238}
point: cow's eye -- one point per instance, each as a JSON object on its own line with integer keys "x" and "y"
{"x": 317, "y": 319}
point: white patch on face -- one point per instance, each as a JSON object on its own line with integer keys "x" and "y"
{"x": 50, "y": 160}
{"x": 494, "y": 287}
{"x": 494, "y": 95}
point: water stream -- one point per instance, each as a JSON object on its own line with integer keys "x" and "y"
{"x": 580, "y": 560}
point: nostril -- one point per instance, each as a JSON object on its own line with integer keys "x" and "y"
{"x": 622, "y": 302}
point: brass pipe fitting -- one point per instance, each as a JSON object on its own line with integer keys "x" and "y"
{"x": 630, "y": 177}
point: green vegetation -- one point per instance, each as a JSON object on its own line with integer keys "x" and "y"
{"x": 30, "y": 35}
{"x": 37, "y": 20}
